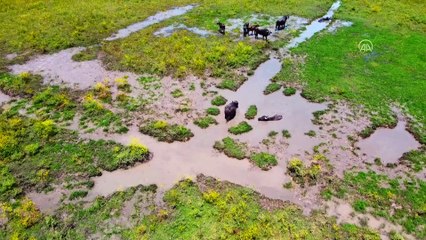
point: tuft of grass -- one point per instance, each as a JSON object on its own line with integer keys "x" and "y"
{"x": 289, "y": 91}
{"x": 311, "y": 133}
{"x": 232, "y": 148}
{"x": 415, "y": 159}
{"x": 286, "y": 133}
{"x": 272, "y": 133}
{"x": 263, "y": 160}
{"x": 78, "y": 194}
{"x": 213, "y": 111}
{"x": 241, "y": 128}
{"x": 271, "y": 88}
{"x": 177, "y": 93}
{"x": 205, "y": 122}
{"x": 24, "y": 84}
{"x": 251, "y": 112}
{"x": 230, "y": 84}
{"x": 90, "y": 53}
{"x": 219, "y": 101}
{"x": 165, "y": 132}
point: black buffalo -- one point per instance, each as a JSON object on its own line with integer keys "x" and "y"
{"x": 264, "y": 32}
{"x": 221, "y": 27}
{"x": 280, "y": 23}
{"x": 325, "y": 19}
{"x": 231, "y": 111}
{"x": 252, "y": 28}
{"x": 273, "y": 118}
{"x": 246, "y": 29}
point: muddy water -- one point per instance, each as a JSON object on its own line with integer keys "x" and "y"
{"x": 169, "y": 30}
{"x": 314, "y": 27}
{"x": 161, "y": 16}
{"x": 389, "y": 144}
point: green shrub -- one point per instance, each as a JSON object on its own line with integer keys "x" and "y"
{"x": 213, "y": 111}
{"x": 232, "y": 148}
{"x": 251, "y": 112}
{"x": 205, "y": 122}
{"x": 219, "y": 101}
{"x": 78, "y": 194}
{"x": 289, "y": 91}
{"x": 271, "y": 88}
{"x": 264, "y": 160}
{"x": 241, "y": 128}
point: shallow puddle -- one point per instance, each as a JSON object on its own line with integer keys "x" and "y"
{"x": 169, "y": 30}
{"x": 161, "y": 16}
{"x": 388, "y": 144}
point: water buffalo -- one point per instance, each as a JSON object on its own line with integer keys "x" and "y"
{"x": 253, "y": 28}
{"x": 276, "y": 117}
{"x": 246, "y": 29}
{"x": 280, "y": 23}
{"x": 324, "y": 19}
{"x": 231, "y": 110}
{"x": 264, "y": 32}
{"x": 221, "y": 27}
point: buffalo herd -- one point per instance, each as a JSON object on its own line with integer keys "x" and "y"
{"x": 231, "y": 111}
{"x": 248, "y": 29}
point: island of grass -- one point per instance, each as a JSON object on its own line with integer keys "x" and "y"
{"x": 232, "y": 148}
{"x": 219, "y": 101}
{"x": 289, "y": 91}
{"x": 205, "y": 122}
{"x": 165, "y": 132}
{"x": 241, "y": 128}
{"x": 271, "y": 88}
{"x": 251, "y": 112}
{"x": 213, "y": 111}
{"x": 264, "y": 161}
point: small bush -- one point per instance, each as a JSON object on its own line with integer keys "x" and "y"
{"x": 271, "y": 88}
{"x": 232, "y": 148}
{"x": 219, "y": 101}
{"x": 289, "y": 91}
{"x": 205, "y": 122}
{"x": 177, "y": 93}
{"x": 251, "y": 112}
{"x": 213, "y": 111}
{"x": 241, "y": 128}
{"x": 264, "y": 160}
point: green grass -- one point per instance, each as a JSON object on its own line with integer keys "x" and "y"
{"x": 232, "y": 148}
{"x": 231, "y": 84}
{"x": 241, "y": 128}
{"x": 78, "y": 194}
{"x": 312, "y": 174}
{"x": 271, "y": 88}
{"x": 90, "y": 53}
{"x": 286, "y": 133}
{"x": 208, "y": 209}
{"x": 263, "y": 160}
{"x": 165, "y": 132}
{"x": 21, "y": 85}
{"x": 415, "y": 159}
{"x": 177, "y": 93}
{"x": 38, "y": 154}
{"x": 205, "y": 122}
{"x": 289, "y": 91}
{"x": 214, "y": 111}
{"x": 251, "y": 112}
{"x": 219, "y": 101}
{"x": 378, "y": 194}
{"x": 311, "y": 133}
{"x": 394, "y": 72}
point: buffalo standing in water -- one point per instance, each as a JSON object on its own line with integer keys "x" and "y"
{"x": 231, "y": 111}
{"x": 273, "y": 118}
{"x": 280, "y": 24}
{"x": 264, "y": 32}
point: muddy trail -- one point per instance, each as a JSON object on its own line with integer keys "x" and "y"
{"x": 172, "y": 162}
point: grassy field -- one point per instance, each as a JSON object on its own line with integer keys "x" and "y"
{"x": 393, "y": 73}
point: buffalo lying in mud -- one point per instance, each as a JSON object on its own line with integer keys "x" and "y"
{"x": 221, "y": 27}
{"x": 280, "y": 23}
{"x": 273, "y": 118}
{"x": 264, "y": 32}
{"x": 231, "y": 111}
{"x": 324, "y": 19}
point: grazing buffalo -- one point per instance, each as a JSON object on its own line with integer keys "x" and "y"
{"x": 231, "y": 111}
{"x": 264, "y": 32}
{"x": 221, "y": 27}
{"x": 324, "y": 19}
{"x": 280, "y": 23}
{"x": 246, "y": 29}
{"x": 276, "y": 117}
